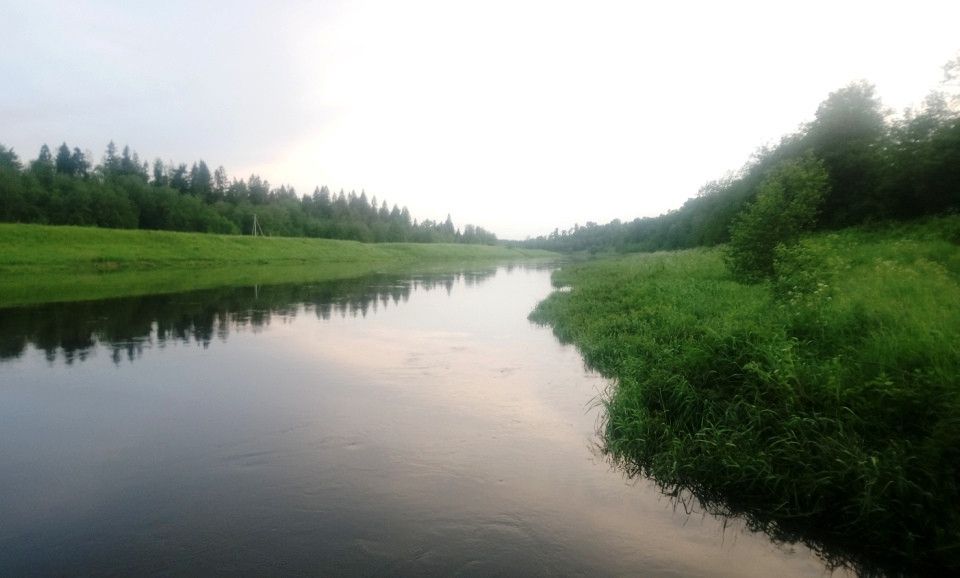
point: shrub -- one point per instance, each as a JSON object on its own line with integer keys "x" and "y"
{"x": 786, "y": 204}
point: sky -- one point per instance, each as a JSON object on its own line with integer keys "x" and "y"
{"x": 518, "y": 116}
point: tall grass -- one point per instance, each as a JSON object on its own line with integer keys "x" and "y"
{"x": 823, "y": 406}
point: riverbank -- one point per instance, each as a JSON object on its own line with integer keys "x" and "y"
{"x": 51, "y": 263}
{"x": 823, "y": 406}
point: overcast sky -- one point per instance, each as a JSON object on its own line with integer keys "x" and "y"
{"x": 519, "y": 116}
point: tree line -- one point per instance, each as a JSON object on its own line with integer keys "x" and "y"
{"x": 877, "y": 168}
{"x": 66, "y": 188}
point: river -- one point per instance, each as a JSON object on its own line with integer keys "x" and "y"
{"x": 389, "y": 425}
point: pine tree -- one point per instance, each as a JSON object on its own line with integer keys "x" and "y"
{"x": 64, "y": 162}
{"x": 81, "y": 166}
{"x": 9, "y": 159}
{"x": 220, "y": 182}
{"x": 43, "y": 167}
{"x": 111, "y": 163}
{"x": 200, "y": 181}
{"x": 160, "y": 178}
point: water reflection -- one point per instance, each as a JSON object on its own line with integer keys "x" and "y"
{"x": 71, "y": 331}
{"x": 380, "y": 426}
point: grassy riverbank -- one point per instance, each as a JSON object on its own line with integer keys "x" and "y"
{"x": 822, "y": 406}
{"x": 44, "y": 263}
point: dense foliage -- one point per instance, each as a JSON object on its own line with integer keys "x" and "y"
{"x": 786, "y": 205}
{"x": 878, "y": 167}
{"x": 122, "y": 192}
{"x": 823, "y": 406}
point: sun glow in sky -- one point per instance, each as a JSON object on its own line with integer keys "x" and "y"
{"x": 519, "y": 116}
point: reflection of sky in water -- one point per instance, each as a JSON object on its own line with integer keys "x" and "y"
{"x": 439, "y": 433}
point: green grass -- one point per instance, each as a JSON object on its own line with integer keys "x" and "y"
{"x": 823, "y": 406}
{"x": 43, "y": 263}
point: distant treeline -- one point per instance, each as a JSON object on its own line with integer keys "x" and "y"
{"x": 122, "y": 192}
{"x": 878, "y": 168}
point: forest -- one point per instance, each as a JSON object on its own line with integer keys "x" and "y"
{"x": 123, "y": 192}
{"x": 878, "y": 167}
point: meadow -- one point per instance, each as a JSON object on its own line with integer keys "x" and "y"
{"x": 41, "y": 263}
{"x": 822, "y": 405}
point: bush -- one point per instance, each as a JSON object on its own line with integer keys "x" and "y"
{"x": 787, "y": 203}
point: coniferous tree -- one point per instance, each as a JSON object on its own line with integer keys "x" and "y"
{"x": 127, "y": 164}
{"x": 44, "y": 167}
{"x": 160, "y": 178}
{"x": 64, "y": 162}
{"x": 111, "y": 163}
{"x": 79, "y": 162}
{"x": 220, "y": 183}
{"x": 180, "y": 179}
{"x": 9, "y": 159}
{"x": 201, "y": 182}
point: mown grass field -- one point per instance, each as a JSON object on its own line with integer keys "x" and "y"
{"x": 822, "y": 406}
{"x": 45, "y": 263}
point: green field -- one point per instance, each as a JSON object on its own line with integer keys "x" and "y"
{"x": 822, "y": 406}
{"x": 44, "y": 263}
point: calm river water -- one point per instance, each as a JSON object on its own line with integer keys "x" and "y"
{"x": 380, "y": 426}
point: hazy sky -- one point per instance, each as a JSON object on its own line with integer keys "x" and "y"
{"x": 519, "y": 116}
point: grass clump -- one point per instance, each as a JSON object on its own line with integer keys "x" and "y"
{"x": 822, "y": 405}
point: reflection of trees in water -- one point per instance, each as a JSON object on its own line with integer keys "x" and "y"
{"x": 130, "y": 324}
{"x": 849, "y": 554}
